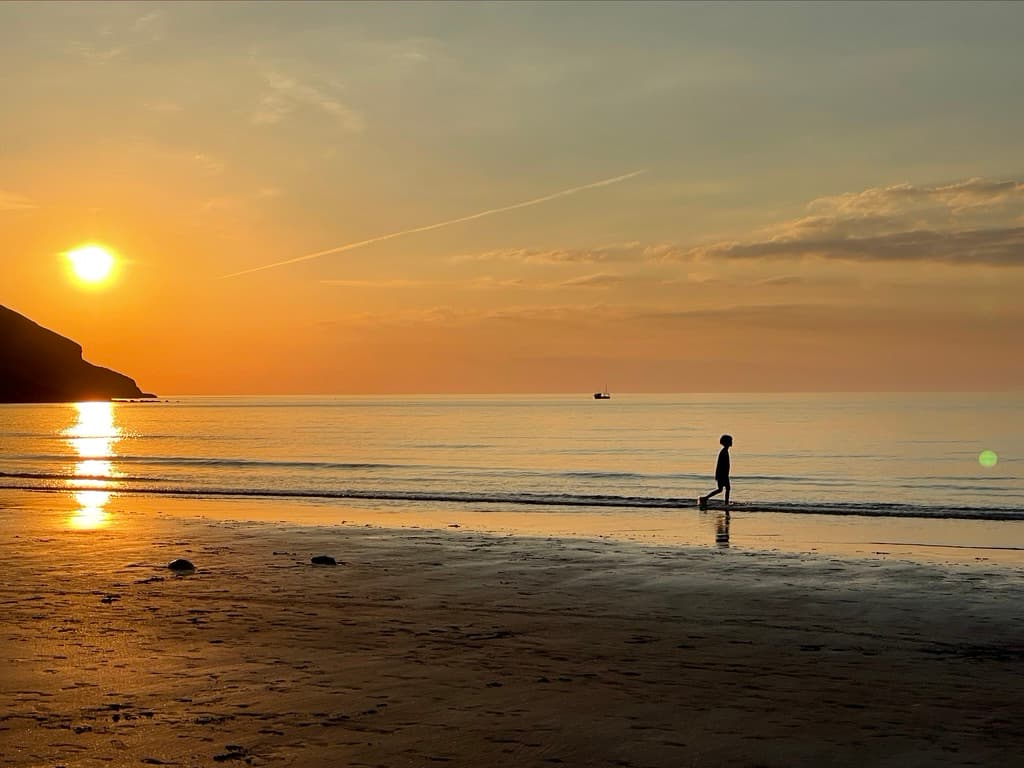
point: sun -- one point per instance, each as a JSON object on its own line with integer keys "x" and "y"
{"x": 91, "y": 263}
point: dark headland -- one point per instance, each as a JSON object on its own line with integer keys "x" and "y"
{"x": 40, "y": 366}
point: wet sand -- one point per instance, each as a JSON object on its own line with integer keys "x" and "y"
{"x": 448, "y": 646}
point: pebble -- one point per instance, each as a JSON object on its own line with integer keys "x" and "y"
{"x": 181, "y": 566}
{"x": 323, "y": 560}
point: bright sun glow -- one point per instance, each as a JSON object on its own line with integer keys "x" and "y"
{"x": 91, "y": 263}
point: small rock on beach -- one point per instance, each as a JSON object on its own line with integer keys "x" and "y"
{"x": 181, "y": 566}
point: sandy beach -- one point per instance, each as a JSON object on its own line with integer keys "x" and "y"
{"x": 434, "y": 646}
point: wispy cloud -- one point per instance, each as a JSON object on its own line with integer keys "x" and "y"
{"x": 789, "y": 314}
{"x": 236, "y": 203}
{"x": 599, "y": 280}
{"x": 483, "y": 283}
{"x": 489, "y": 283}
{"x": 693, "y": 278}
{"x": 116, "y": 38}
{"x": 781, "y": 280}
{"x": 804, "y": 317}
{"x": 992, "y": 247}
{"x": 9, "y": 201}
{"x": 976, "y": 221}
{"x": 905, "y": 200}
{"x": 210, "y": 164}
{"x": 621, "y": 252}
{"x": 768, "y": 314}
{"x": 374, "y": 284}
{"x": 286, "y": 94}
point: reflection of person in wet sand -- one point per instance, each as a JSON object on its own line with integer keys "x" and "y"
{"x": 722, "y": 529}
{"x": 721, "y": 473}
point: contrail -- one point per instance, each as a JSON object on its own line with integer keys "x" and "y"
{"x": 428, "y": 227}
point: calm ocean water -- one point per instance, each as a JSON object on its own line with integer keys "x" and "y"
{"x": 872, "y": 454}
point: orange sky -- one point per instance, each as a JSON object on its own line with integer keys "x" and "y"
{"x": 831, "y": 199}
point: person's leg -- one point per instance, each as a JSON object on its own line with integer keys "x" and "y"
{"x": 704, "y": 499}
{"x": 727, "y": 489}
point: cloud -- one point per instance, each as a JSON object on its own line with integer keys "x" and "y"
{"x": 803, "y": 315}
{"x": 697, "y": 278}
{"x": 396, "y": 283}
{"x": 237, "y": 202}
{"x": 992, "y": 247}
{"x": 476, "y": 283}
{"x": 446, "y": 316}
{"x": 484, "y": 283}
{"x": 620, "y": 252}
{"x": 781, "y": 280}
{"x": 287, "y": 94}
{"x": 759, "y": 314}
{"x": 975, "y": 221}
{"x": 210, "y": 164}
{"x": 120, "y": 36}
{"x": 970, "y": 195}
{"x": 9, "y": 201}
{"x": 599, "y": 280}
{"x": 657, "y": 252}
{"x": 552, "y": 313}
{"x": 544, "y": 315}
{"x": 489, "y": 283}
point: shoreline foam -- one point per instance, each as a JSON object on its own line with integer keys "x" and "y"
{"x": 127, "y": 485}
{"x": 746, "y": 529}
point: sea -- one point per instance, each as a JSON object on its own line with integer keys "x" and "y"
{"x": 921, "y": 456}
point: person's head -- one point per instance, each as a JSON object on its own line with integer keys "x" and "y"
{"x": 726, "y": 440}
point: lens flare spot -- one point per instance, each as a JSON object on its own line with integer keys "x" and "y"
{"x": 988, "y": 459}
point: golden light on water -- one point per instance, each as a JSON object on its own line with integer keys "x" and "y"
{"x": 91, "y": 264}
{"x": 91, "y": 473}
{"x": 90, "y": 513}
{"x": 93, "y": 437}
{"x": 94, "y": 434}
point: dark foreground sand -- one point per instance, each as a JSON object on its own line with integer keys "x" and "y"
{"x": 446, "y": 647}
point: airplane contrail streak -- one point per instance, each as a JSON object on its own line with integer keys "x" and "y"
{"x": 438, "y": 225}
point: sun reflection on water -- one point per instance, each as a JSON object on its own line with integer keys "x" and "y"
{"x": 93, "y": 437}
{"x": 91, "y": 473}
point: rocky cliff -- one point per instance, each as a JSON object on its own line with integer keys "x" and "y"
{"x": 40, "y": 366}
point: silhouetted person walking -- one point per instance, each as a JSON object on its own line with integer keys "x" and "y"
{"x": 721, "y": 473}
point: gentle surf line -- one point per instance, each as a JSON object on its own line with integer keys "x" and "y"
{"x": 554, "y": 500}
{"x": 944, "y": 546}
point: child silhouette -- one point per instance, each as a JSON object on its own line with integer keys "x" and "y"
{"x": 721, "y": 473}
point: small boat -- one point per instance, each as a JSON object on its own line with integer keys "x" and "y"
{"x": 603, "y": 395}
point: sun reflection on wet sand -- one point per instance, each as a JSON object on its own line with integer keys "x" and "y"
{"x": 93, "y": 437}
{"x": 91, "y": 512}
